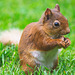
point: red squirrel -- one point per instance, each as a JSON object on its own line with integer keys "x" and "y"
{"x": 40, "y": 41}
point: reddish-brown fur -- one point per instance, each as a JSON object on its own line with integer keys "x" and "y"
{"x": 43, "y": 36}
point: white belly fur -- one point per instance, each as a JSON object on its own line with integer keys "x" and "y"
{"x": 45, "y": 58}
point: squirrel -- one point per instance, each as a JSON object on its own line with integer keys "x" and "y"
{"x": 40, "y": 41}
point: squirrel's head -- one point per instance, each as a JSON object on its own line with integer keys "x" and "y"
{"x": 54, "y": 23}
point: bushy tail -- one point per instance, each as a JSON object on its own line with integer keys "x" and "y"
{"x": 12, "y": 36}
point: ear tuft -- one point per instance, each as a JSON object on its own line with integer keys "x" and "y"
{"x": 57, "y": 7}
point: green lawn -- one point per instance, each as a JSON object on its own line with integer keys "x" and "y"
{"x": 19, "y": 13}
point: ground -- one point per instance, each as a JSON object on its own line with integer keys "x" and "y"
{"x": 19, "y": 13}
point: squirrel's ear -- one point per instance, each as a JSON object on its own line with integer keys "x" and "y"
{"x": 48, "y": 13}
{"x": 46, "y": 16}
{"x": 57, "y": 7}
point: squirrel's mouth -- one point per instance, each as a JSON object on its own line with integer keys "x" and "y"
{"x": 62, "y": 34}
{"x": 56, "y": 36}
{"x": 65, "y": 32}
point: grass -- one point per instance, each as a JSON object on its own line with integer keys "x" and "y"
{"x": 19, "y": 13}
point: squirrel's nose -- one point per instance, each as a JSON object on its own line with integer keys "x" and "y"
{"x": 68, "y": 30}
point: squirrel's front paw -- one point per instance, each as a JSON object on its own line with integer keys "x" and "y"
{"x": 67, "y": 42}
{"x": 61, "y": 43}
{"x": 64, "y": 42}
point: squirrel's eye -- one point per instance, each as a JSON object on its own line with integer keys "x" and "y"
{"x": 56, "y": 24}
